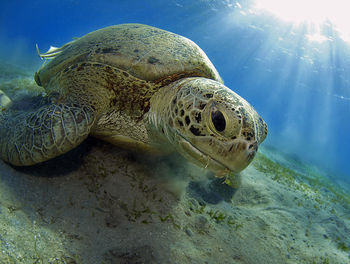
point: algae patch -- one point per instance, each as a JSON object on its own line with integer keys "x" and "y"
{"x": 310, "y": 183}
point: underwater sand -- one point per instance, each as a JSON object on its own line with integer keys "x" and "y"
{"x": 102, "y": 204}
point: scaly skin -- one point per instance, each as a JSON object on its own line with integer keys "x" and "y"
{"x": 31, "y": 137}
{"x": 187, "y": 121}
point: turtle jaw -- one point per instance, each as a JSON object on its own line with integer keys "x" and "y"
{"x": 201, "y": 159}
{"x": 237, "y": 157}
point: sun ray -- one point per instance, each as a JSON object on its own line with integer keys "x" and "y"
{"x": 314, "y": 13}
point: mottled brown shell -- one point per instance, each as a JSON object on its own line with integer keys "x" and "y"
{"x": 143, "y": 51}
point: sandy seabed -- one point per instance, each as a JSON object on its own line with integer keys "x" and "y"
{"x": 102, "y": 204}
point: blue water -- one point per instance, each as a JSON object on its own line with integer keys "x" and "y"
{"x": 301, "y": 88}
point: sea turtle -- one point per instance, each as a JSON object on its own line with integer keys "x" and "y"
{"x": 139, "y": 87}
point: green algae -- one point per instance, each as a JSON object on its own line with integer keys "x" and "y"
{"x": 309, "y": 182}
{"x": 217, "y": 215}
{"x": 324, "y": 260}
{"x": 20, "y": 86}
{"x": 233, "y": 180}
{"x": 341, "y": 245}
{"x": 169, "y": 218}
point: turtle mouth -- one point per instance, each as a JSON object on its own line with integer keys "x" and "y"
{"x": 202, "y": 159}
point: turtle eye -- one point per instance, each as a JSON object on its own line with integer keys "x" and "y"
{"x": 218, "y": 120}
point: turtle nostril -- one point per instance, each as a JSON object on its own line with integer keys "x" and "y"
{"x": 231, "y": 148}
{"x": 253, "y": 146}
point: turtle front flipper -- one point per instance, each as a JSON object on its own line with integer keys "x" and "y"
{"x": 30, "y": 137}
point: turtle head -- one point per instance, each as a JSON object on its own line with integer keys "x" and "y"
{"x": 212, "y": 126}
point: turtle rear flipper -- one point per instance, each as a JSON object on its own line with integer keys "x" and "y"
{"x": 5, "y": 101}
{"x": 30, "y": 137}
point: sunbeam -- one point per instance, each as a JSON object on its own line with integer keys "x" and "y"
{"x": 297, "y": 54}
{"x": 314, "y": 13}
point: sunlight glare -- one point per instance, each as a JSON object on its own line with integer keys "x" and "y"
{"x": 316, "y": 37}
{"x": 313, "y": 12}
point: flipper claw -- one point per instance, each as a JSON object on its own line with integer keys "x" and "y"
{"x": 51, "y": 53}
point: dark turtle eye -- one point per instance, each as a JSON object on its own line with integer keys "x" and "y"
{"x": 218, "y": 120}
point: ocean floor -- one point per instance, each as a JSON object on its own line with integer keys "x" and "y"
{"x": 102, "y": 204}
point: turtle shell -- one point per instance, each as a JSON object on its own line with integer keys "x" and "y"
{"x": 146, "y": 52}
